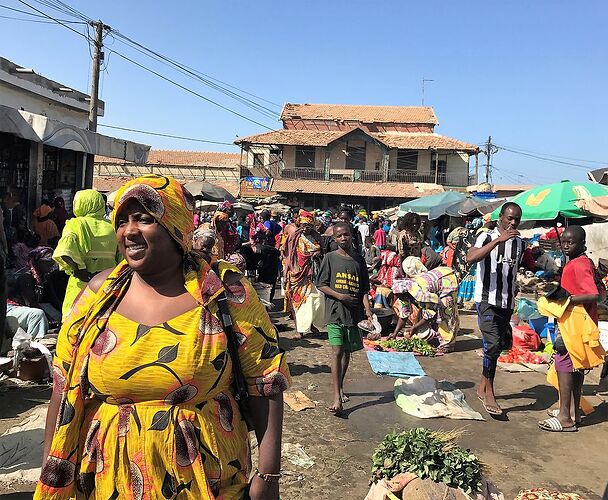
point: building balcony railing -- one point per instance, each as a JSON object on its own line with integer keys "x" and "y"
{"x": 405, "y": 176}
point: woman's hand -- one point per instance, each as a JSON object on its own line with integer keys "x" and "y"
{"x": 263, "y": 490}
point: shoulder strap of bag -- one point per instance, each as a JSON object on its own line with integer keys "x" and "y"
{"x": 241, "y": 395}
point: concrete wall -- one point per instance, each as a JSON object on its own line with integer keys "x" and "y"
{"x": 373, "y": 156}
{"x": 289, "y": 156}
{"x": 320, "y": 158}
{"x": 19, "y": 99}
{"x": 424, "y": 163}
{"x": 337, "y": 158}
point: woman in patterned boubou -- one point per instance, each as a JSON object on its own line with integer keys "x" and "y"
{"x": 142, "y": 403}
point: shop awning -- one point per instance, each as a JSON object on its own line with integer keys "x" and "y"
{"x": 39, "y": 128}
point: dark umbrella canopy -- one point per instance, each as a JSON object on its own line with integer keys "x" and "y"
{"x": 207, "y": 191}
{"x": 469, "y": 206}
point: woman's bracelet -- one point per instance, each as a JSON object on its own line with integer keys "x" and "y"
{"x": 269, "y": 478}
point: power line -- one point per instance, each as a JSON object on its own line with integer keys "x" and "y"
{"x": 159, "y": 134}
{"x": 64, "y": 9}
{"x": 556, "y": 156}
{"x": 206, "y": 79}
{"x": 550, "y": 160}
{"x": 187, "y": 89}
{"x": 150, "y": 70}
{"x": 197, "y": 76}
{"x": 53, "y": 19}
{"x": 43, "y": 19}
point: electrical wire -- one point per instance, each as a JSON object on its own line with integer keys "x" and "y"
{"x": 53, "y": 19}
{"x": 510, "y": 148}
{"x": 183, "y": 87}
{"x": 43, "y": 19}
{"x": 159, "y": 134}
{"x": 197, "y": 76}
{"x": 173, "y": 61}
{"x": 173, "y": 82}
{"x": 206, "y": 79}
{"x": 64, "y": 9}
{"x": 550, "y": 160}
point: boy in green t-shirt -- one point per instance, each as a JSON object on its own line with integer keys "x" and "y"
{"x": 344, "y": 280}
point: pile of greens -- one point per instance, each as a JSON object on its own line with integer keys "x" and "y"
{"x": 427, "y": 454}
{"x": 409, "y": 345}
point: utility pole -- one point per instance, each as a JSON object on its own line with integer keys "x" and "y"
{"x": 489, "y": 159}
{"x": 424, "y": 80}
{"x": 99, "y": 27}
{"x": 97, "y": 58}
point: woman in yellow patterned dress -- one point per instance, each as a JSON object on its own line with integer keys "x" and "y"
{"x": 142, "y": 403}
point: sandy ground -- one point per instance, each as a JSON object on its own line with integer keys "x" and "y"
{"x": 517, "y": 453}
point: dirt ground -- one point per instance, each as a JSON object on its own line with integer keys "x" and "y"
{"x": 517, "y": 453}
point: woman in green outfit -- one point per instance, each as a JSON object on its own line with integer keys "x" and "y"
{"x": 87, "y": 244}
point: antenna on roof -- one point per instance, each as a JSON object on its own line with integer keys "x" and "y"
{"x": 424, "y": 80}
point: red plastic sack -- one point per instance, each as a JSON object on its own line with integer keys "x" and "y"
{"x": 525, "y": 337}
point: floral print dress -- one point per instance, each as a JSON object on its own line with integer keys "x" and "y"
{"x": 160, "y": 420}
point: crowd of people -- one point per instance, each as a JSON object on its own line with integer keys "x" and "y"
{"x": 212, "y": 368}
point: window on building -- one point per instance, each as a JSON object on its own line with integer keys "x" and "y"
{"x": 407, "y": 159}
{"x": 258, "y": 160}
{"x": 305, "y": 157}
{"x": 355, "y": 155}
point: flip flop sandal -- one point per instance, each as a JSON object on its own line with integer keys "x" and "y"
{"x": 555, "y": 413}
{"x": 492, "y": 410}
{"x": 552, "y": 424}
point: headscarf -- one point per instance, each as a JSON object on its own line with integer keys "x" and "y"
{"x": 165, "y": 199}
{"x": 60, "y": 214}
{"x": 475, "y": 224}
{"x": 413, "y": 266}
{"x": 325, "y": 220}
{"x": 225, "y": 206}
{"x": 171, "y": 205}
{"x": 306, "y": 218}
{"x": 89, "y": 203}
{"x": 220, "y": 216}
{"x": 42, "y": 211}
{"x": 45, "y": 228}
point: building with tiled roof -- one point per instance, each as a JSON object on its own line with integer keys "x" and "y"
{"x": 327, "y": 154}
{"x": 219, "y": 168}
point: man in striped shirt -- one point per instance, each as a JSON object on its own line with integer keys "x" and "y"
{"x": 498, "y": 255}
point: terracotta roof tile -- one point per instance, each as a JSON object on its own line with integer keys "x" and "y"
{"x": 107, "y": 184}
{"x": 182, "y": 158}
{"x": 380, "y": 189}
{"x": 293, "y": 137}
{"x": 423, "y": 141}
{"x": 402, "y": 140}
{"x": 363, "y": 113}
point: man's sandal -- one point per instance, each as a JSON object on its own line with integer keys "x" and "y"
{"x": 552, "y": 424}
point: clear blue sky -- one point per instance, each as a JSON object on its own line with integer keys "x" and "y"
{"x": 534, "y": 74}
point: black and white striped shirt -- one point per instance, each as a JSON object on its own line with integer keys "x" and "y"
{"x": 496, "y": 274}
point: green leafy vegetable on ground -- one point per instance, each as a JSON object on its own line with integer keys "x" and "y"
{"x": 410, "y": 345}
{"x": 427, "y": 454}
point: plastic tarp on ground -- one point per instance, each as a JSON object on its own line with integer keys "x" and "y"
{"x": 422, "y": 206}
{"x": 395, "y": 364}
{"x": 424, "y": 397}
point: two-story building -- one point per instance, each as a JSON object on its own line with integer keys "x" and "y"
{"x": 44, "y": 141}
{"x": 375, "y": 156}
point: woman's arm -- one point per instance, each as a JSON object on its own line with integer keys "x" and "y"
{"x": 51, "y": 417}
{"x": 267, "y": 416}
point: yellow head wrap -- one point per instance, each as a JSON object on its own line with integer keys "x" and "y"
{"x": 165, "y": 199}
